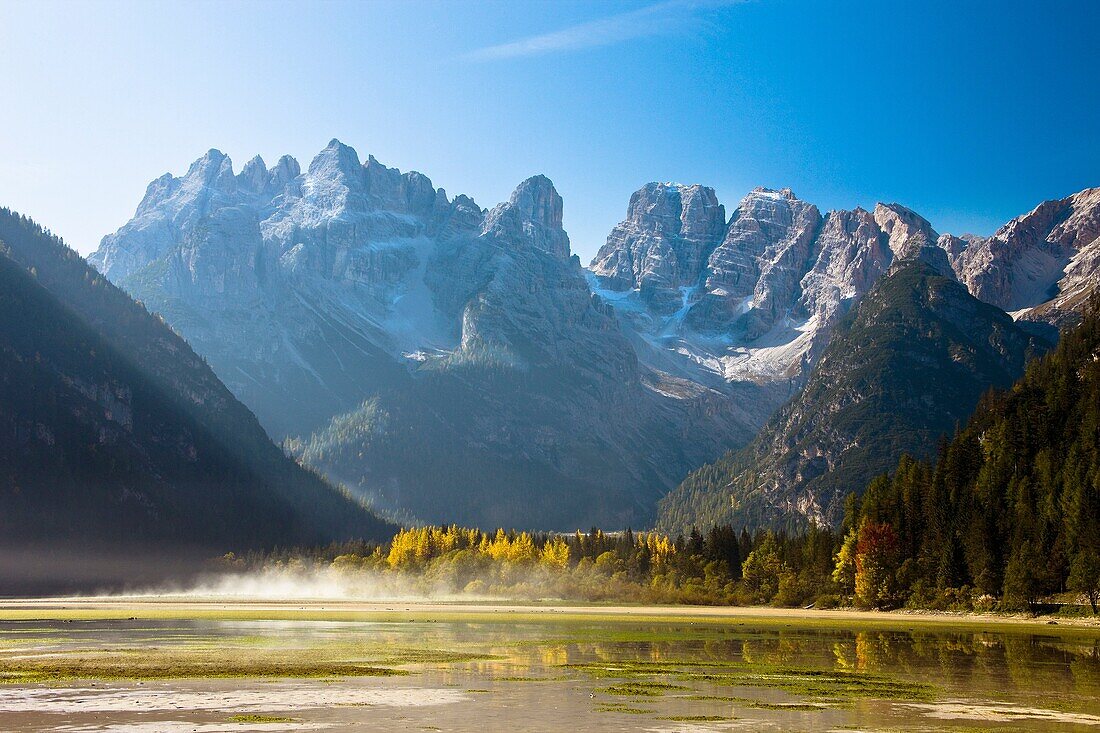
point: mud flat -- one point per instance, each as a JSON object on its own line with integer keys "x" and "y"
{"x": 165, "y": 664}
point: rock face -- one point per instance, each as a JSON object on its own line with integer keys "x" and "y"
{"x": 669, "y": 233}
{"x": 757, "y": 301}
{"x": 753, "y": 301}
{"x": 752, "y": 276}
{"x": 1044, "y": 261}
{"x": 442, "y": 360}
{"x": 910, "y": 363}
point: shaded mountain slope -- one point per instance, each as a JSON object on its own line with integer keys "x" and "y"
{"x": 115, "y": 434}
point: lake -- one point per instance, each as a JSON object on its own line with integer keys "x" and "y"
{"x": 149, "y": 668}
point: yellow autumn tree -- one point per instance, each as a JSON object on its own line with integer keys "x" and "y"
{"x": 555, "y": 554}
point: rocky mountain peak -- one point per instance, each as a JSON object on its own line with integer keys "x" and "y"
{"x": 538, "y": 200}
{"x": 254, "y": 176}
{"x": 901, "y": 225}
{"x": 773, "y": 193}
{"x": 335, "y": 160}
{"x": 285, "y": 171}
{"x": 532, "y": 215}
{"x": 212, "y": 158}
{"x": 158, "y": 190}
{"x": 663, "y": 243}
{"x": 757, "y": 266}
{"x": 212, "y": 170}
{"x": 1046, "y": 260}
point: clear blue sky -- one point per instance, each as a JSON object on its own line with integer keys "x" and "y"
{"x": 968, "y": 112}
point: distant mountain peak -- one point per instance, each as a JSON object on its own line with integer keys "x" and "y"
{"x": 532, "y": 214}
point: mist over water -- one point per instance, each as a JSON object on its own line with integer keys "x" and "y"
{"x": 307, "y": 583}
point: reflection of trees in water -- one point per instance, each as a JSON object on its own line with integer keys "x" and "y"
{"x": 982, "y": 660}
{"x": 1085, "y": 668}
{"x": 1009, "y": 661}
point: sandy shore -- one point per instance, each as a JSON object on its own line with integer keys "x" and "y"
{"x": 413, "y": 610}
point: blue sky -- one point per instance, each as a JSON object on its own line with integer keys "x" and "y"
{"x": 968, "y": 112}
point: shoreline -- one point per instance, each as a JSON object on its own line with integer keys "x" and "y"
{"x": 169, "y": 606}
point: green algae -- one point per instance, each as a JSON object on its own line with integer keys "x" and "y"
{"x": 642, "y": 689}
{"x": 807, "y": 682}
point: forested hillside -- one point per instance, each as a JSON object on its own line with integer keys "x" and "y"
{"x": 1012, "y": 505}
{"x": 113, "y": 433}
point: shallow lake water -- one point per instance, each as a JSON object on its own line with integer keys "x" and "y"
{"x": 524, "y": 674}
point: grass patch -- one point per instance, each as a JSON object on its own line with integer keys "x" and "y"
{"x": 575, "y": 614}
{"x": 619, "y": 707}
{"x": 748, "y": 702}
{"x": 807, "y": 682}
{"x": 29, "y": 671}
{"x": 641, "y": 689}
{"x": 432, "y": 656}
{"x": 261, "y": 719}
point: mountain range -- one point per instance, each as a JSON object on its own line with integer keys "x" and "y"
{"x": 451, "y": 363}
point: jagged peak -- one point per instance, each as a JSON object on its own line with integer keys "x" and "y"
{"x": 254, "y": 176}
{"x": 531, "y": 217}
{"x": 213, "y": 159}
{"x": 462, "y": 201}
{"x": 372, "y": 162}
{"x": 901, "y": 225}
{"x": 538, "y": 201}
{"x": 157, "y": 189}
{"x": 1085, "y": 199}
{"x": 902, "y": 211}
{"x": 858, "y": 213}
{"x": 288, "y": 166}
{"x": 654, "y": 186}
{"x": 335, "y": 157}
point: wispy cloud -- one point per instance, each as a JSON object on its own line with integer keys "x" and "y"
{"x": 662, "y": 18}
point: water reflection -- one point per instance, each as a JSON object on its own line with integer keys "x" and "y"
{"x": 555, "y": 659}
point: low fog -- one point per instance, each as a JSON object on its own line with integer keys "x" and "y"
{"x": 308, "y": 583}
